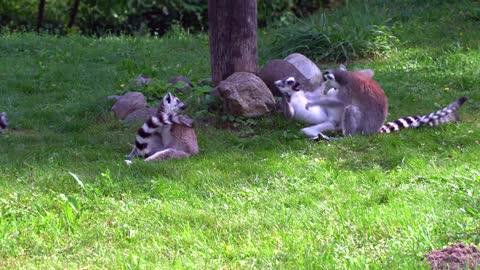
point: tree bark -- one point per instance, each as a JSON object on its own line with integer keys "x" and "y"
{"x": 73, "y": 14}
{"x": 41, "y": 11}
{"x": 232, "y": 37}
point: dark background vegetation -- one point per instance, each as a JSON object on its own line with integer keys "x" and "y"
{"x": 98, "y": 17}
{"x": 324, "y": 30}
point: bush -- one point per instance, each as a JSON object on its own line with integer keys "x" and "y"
{"x": 155, "y": 17}
{"x": 22, "y": 15}
{"x": 144, "y": 16}
{"x": 279, "y": 10}
{"x": 107, "y": 16}
{"x": 357, "y": 30}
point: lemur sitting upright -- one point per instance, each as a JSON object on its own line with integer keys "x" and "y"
{"x": 167, "y": 134}
{"x": 3, "y": 122}
{"x": 366, "y": 106}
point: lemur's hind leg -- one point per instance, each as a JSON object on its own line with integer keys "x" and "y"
{"x": 351, "y": 120}
{"x": 167, "y": 154}
{"x": 314, "y": 131}
{"x": 286, "y": 108}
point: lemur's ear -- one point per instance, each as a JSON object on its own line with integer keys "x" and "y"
{"x": 168, "y": 97}
{"x": 328, "y": 76}
{"x": 367, "y": 72}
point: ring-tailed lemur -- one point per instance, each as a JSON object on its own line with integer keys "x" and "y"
{"x": 295, "y": 100}
{"x": 366, "y": 105}
{"x": 326, "y": 117}
{"x": 445, "y": 115}
{"x": 3, "y": 122}
{"x": 368, "y": 99}
{"x": 167, "y": 134}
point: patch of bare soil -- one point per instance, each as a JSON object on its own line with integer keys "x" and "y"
{"x": 455, "y": 257}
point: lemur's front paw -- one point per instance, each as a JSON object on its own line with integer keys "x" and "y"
{"x": 321, "y": 137}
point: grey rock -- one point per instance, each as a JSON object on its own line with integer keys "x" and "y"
{"x": 205, "y": 81}
{"x": 139, "y": 82}
{"x": 142, "y": 79}
{"x": 185, "y": 80}
{"x": 114, "y": 97}
{"x": 141, "y": 115}
{"x": 127, "y": 103}
{"x": 306, "y": 67}
{"x": 278, "y": 69}
{"x": 244, "y": 94}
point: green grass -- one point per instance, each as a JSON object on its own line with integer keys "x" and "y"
{"x": 376, "y": 28}
{"x": 341, "y": 34}
{"x": 266, "y": 199}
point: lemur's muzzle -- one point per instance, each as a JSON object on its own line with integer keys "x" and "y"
{"x": 296, "y": 86}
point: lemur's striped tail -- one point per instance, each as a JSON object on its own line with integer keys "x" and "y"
{"x": 3, "y": 122}
{"x": 154, "y": 125}
{"x": 445, "y": 115}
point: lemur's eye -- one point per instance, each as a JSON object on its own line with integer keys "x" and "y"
{"x": 289, "y": 82}
{"x": 328, "y": 76}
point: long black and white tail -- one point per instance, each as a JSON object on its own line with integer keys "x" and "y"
{"x": 445, "y": 115}
{"x": 3, "y": 122}
{"x": 144, "y": 138}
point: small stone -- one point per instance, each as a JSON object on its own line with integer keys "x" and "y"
{"x": 205, "y": 81}
{"x": 139, "y": 82}
{"x": 127, "y": 103}
{"x": 141, "y": 115}
{"x": 142, "y": 79}
{"x": 179, "y": 80}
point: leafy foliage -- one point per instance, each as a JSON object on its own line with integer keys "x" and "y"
{"x": 153, "y": 17}
{"x": 107, "y": 16}
{"x": 342, "y": 34}
{"x": 376, "y": 28}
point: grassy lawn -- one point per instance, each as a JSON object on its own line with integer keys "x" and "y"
{"x": 266, "y": 198}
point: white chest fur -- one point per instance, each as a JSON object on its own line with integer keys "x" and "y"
{"x": 313, "y": 115}
{"x": 166, "y": 134}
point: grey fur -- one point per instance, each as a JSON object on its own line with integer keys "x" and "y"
{"x": 293, "y": 106}
{"x": 167, "y": 134}
{"x": 366, "y": 104}
{"x": 445, "y": 115}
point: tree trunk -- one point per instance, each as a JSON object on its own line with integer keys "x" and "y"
{"x": 41, "y": 10}
{"x": 233, "y": 37}
{"x": 73, "y": 14}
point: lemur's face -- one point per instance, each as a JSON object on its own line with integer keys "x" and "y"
{"x": 287, "y": 86}
{"x": 171, "y": 104}
{"x": 329, "y": 77}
